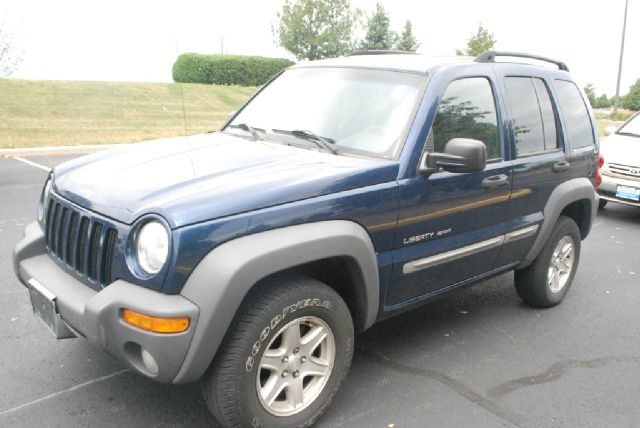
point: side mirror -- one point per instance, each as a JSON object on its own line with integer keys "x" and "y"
{"x": 610, "y": 130}
{"x": 460, "y": 155}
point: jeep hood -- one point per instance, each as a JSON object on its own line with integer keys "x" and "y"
{"x": 203, "y": 177}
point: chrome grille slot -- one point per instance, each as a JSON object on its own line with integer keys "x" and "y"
{"x": 48, "y": 225}
{"x": 107, "y": 256}
{"x": 624, "y": 170}
{"x": 61, "y": 233}
{"x": 84, "y": 244}
{"x": 54, "y": 227}
{"x": 71, "y": 238}
{"x": 94, "y": 243}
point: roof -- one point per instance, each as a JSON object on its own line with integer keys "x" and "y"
{"x": 416, "y": 63}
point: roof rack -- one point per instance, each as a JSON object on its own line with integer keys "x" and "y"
{"x": 380, "y": 52}
{"x": 490, "y": 56}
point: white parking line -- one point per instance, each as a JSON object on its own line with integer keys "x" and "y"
{"x": 64, "y": 391}
{"x": 28, "y": 162}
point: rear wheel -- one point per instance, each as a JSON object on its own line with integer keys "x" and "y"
{"x": 284, "y": 358}
{"x": 546, "y": 281}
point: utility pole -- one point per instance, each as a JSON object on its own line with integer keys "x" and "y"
{"x": 221, "y": 44}
{"x": 616, "y": 101}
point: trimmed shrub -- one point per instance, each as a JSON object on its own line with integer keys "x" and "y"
{"x": 227, "y": 69}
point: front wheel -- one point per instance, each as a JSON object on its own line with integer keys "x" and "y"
{"x": 602, "y": 203}
{"x": 284, "y": 357}
{"x": 546, "y": 281}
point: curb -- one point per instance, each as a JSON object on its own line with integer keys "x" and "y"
{"x": 56, "y": 150}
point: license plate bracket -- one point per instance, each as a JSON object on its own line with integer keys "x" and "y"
{"x": 45, "y": 308}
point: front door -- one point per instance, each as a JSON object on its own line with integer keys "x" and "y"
{"x": 451, "y": 225}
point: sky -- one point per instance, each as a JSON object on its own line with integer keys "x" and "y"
{"x": 138, "y": 40}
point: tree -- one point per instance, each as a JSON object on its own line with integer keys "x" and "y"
{"x": 477, "y": 43}
{"x": 379, "y": 36}
{"x": 316, "y": 29}
{"x": 590, "y": 91}
{"x": 10, "y": 58}
{"x": 407, "y": 41}
{"x": 631, "y": 101}
{"x": 603, "y": 102}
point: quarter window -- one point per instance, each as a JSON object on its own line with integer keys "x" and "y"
{"x": 576, "y": 117}
{"x": 467, "y": 110}
{"x": 532, "y": 115}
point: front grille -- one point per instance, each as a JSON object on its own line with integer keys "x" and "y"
{"x": 625, "y": 170}
{"x": 82, "y": 243}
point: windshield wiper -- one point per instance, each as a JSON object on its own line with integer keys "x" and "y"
{"x": 630, "y": 134}
{"x": 249, "y": 129}
{"x": 327, "y": 144}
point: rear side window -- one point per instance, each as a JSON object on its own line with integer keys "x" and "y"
{"x": 467, "y": 110}
{"x": 576, "y": 117}
{"x": 534, "y": 122}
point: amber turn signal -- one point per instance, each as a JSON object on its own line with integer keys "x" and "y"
{"x": 155, "y": 324}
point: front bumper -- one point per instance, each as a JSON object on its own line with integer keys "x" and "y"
{"x": 609, "y": 185}
{"x": 96, "y": 315}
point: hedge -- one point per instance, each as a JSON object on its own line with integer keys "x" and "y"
{"x": 226, "y": 69}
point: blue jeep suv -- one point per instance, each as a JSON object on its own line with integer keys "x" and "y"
{"x": 345, "y": 191}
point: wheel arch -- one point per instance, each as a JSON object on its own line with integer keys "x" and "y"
{"x": 331, "y": 251}
{"x": 575, "y": 199}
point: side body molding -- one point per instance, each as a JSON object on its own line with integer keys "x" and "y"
{"x": 224, "y": 277}
{"x": 566, "y": 193}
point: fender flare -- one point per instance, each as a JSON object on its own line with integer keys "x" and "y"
{"x": 566, "y": 193}
{"x": 223, "y": 278}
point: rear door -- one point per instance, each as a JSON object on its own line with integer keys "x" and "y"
{"x": 540, "y": 162}
{"x": 450, "y": 226}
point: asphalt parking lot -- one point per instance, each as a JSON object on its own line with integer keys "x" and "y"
{"x": 477, "y": 357}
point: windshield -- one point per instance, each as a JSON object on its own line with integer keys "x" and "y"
{"x": 357, "y": 110}
{"x": 632, "y": 127}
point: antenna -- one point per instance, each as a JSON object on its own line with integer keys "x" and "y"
{"x": 184, "y": 116}
{"x": 184, "y": 113}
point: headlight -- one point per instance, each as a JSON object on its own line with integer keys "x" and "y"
{"x": 152, "y": 247}
{"x": 44, "y": 200}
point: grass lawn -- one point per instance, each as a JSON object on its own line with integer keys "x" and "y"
{"x": 37, "y": 113}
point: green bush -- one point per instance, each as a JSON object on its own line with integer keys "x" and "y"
{"x": 631, "y": 101}
{"x": 227, "y": 69}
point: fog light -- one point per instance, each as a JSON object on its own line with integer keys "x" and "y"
{"x": 149, "y": 362}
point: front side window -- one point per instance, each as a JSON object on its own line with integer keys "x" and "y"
{"x": 532, "y": 115}
{"x": 358, "y": 110}
{"x": 467, "y": 110}
{"x": 576, "y": 117}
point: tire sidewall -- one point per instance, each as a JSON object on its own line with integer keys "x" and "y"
{"x": 318, "y": 302}
{"x": 565, "y": 227}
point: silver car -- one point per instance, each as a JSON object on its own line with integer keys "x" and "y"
{"x": 621, "y": 169}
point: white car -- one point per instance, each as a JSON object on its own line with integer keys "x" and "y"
{"x": 621, "y": 169}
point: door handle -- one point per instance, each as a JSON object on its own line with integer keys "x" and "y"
{"x": 561, "y": 166}
{"x": 495, "y": 181}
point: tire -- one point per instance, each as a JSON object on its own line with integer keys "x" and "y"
{"x": 539, "y": 284}
{"x": 602, "y": 203}
{"x": 238, "y": 385}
